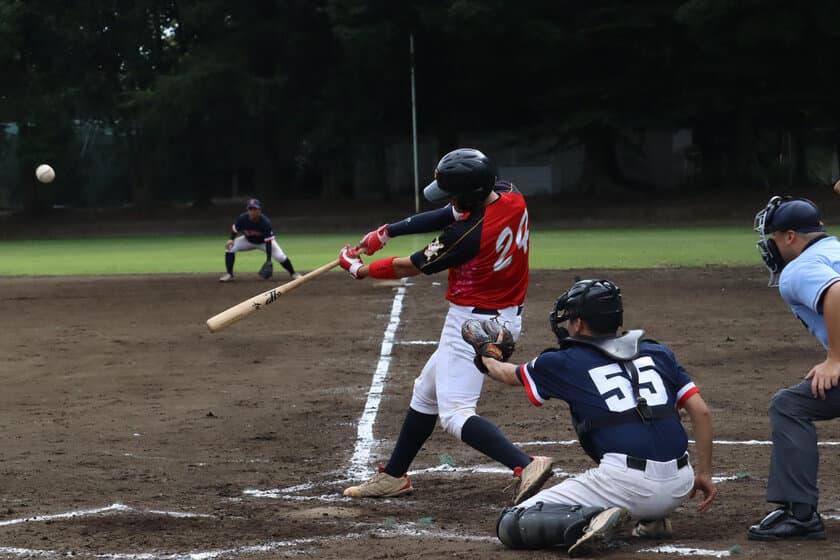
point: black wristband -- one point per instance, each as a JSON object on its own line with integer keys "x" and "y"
{"x": 232, "y": 235}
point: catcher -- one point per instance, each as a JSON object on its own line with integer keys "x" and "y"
{"x": 623, "y": 392}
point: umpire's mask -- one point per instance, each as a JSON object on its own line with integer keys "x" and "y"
{"x": 783, "y": 213}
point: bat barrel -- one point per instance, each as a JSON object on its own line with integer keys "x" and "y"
{"x": 243, "y": 309}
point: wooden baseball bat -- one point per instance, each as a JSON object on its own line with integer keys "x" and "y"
{"x": 241, "y": 310}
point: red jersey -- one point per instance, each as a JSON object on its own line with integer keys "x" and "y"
{"x": 486, "y": 253}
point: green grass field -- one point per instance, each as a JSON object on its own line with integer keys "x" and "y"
{"x": 605, "y": 248}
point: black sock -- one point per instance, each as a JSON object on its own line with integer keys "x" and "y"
{"x": 229, "y": 258}
{"x": 802, "y": 512}
{"x": 416, "y": 429}
{"x": 484, "y": 436}
{"x": 287, "y": 264}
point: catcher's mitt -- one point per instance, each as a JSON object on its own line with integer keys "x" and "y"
{"x": 490, "y": 339}
{"x": 267, "y": 270}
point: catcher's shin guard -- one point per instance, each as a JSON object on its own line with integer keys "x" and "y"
{"x": 543, "y": 525}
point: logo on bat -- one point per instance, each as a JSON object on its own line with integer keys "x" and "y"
{"x": 273, "y": 296}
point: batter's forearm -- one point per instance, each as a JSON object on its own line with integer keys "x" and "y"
{"x": 399, "y": 267}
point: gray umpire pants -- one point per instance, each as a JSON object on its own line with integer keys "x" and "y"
{"x": 794, "y": 459}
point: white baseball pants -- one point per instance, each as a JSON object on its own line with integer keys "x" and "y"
{"x": 242, "y": 244}
{"x": 450, "y": 384}
{"x": 649, "y": 494}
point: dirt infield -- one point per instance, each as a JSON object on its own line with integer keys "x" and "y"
{"x": 130, "y": 432}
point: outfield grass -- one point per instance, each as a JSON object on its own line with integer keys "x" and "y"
{"x": 605, "y": 248}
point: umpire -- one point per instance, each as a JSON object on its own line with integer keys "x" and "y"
{"x": 804, "y": 261}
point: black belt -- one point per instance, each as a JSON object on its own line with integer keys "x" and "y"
{"x": 640, "y": 464}
{"x": 483, "y": 311}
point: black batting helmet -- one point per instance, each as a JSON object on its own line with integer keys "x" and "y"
{"x": 598, "y": 302}
{"x": 465, "y": 175}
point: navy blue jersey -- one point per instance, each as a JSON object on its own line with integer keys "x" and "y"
{"x": 255, "y": 232}
{"x": 594, "y": 385}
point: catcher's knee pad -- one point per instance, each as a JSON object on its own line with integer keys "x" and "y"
{"x": 543, "y": 525}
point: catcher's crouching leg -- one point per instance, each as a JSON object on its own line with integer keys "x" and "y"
{"x": 543, "y": 525}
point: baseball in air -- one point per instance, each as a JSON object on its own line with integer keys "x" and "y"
{"x": 44, "y": 173}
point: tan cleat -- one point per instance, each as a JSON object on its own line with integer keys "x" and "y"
{"x": 226, "y": 278}
{"x": 532, "y": 477}
{"x": 657, "y": 529}
{"x": 381, "y": 485}
{"x": 598, "y": 535}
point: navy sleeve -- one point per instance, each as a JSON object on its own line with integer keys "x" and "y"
{"x": 433, "y": 220}
{"x": 458, "y": 243}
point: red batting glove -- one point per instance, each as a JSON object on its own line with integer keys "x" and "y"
{"x": 375, "y": 240}
{"x": 350, "y": 261}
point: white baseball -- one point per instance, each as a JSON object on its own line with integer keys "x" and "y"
{"x": 44, "y": 173}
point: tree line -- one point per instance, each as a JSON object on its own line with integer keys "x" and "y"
{"x": 193, "y": 89}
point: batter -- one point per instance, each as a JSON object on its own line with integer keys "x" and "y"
{"x": 484, "y": 246}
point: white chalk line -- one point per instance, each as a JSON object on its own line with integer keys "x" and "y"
{"x": 360, "y": 462}
{"x": 294, "y": 493}
{"x": 686, "y": 551}
{"x": 118, "y": 508}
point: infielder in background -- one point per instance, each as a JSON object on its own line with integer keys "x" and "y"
{"x": 805, "y": 263}
{"x": 484, "y": 245}
{"x": 252, "y": 230}
{"x": 623, "y": 392}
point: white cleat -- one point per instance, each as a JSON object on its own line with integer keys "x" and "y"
{"x": 598, "y": 535}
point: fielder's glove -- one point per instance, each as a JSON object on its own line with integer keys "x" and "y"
{"x": 490, "y": 339}
{"x": 267, "y": 270}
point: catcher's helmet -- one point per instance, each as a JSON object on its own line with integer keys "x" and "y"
{"x": 598, "y": 302}
{"x": 466, "y": 175}
{"x": 783, "y": 213}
